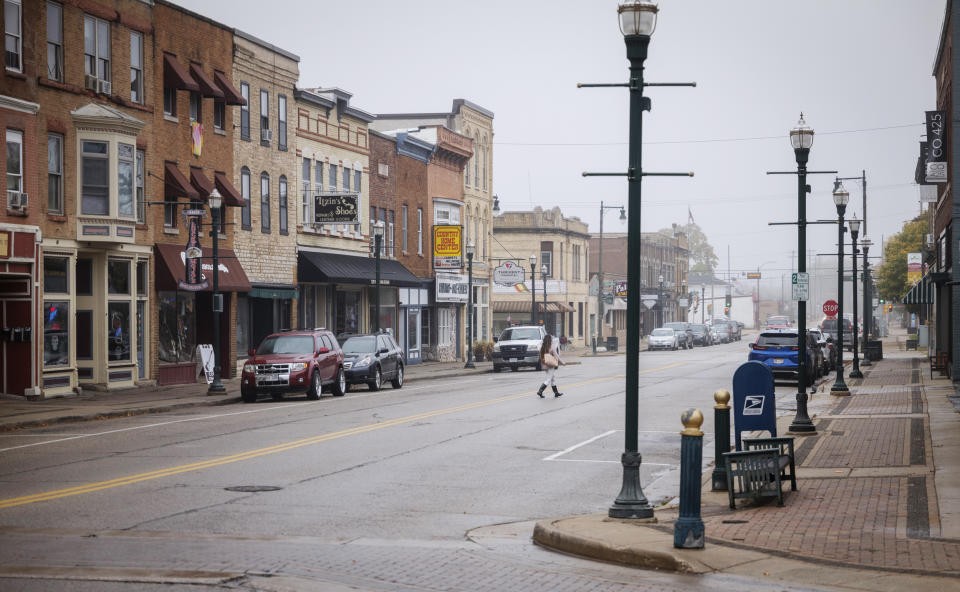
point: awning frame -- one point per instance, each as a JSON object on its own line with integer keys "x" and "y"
{"x": 174, "y": 179}
{"x": 176, "y": 76}
{"x": 231, "y": 96}
{"x": 231, "y": 197}
{"x": 207, "y": 87}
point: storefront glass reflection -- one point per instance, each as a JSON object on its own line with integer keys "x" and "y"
{"x": 118, "y": 331}
{"x": 55, "y": 338}
{"x": 177, "y": 327}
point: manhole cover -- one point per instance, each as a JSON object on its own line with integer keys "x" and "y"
{"x": 253, "y": 488}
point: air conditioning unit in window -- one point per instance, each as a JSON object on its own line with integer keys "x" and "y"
{"x": 17, "y": 200}
{"x": 266, "y": 135}
{"x": 90, "y": 82}
{"x": 103, "y": 87}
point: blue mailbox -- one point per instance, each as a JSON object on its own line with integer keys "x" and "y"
{"x": 754, "y": 404}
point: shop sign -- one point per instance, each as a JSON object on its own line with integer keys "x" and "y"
{"x": 452, "y": 287}
{"x": 509, "y": 274}
{"x": 193, "y": 277}
{"x": 621, "y": 289}
{"x": 936, "y": 163}
{"x": 552, "y": 287}
{"x": 336, "y": 208}
{"x": 447, "y": 247}
{"x": 914, "y": 267}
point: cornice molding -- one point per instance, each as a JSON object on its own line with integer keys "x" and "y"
{"x": 15, "y": 104}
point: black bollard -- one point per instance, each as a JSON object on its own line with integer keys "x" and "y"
{"x": 721, "y": 438}
{"x": 688, "y": 529}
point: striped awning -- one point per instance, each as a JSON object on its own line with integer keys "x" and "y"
{"x": 920, "y": 293}
{"x": 524, "y": 306}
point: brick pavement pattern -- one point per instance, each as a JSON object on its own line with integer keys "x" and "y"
{"x": 876, "y": 442}
{"x": 889, "y": 400}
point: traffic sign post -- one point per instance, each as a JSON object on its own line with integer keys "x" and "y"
{"x": 830, "y": 308}
{"x": 801, "y": 286}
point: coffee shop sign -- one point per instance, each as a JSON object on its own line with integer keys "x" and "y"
{"x": 509, "y": 273}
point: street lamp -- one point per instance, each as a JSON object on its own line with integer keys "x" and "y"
{"x": 660, "y": 301}
{"x": 840, "y": 199}
{"x": 543, "y": 274}
{"x": 377, "y": 246}
{"x": 865, "y": 245}
{"x": 470, "y": 251}
{"x": 854, "y": 231}
{"x": 638, "y": 18}
{"x": 801, "y": 139}
{"x": 215, "y": 201}
{"x": 533, "y": 289}
{"x": 598, "y": 319}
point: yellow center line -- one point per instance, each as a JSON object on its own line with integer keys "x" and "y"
{"x": 283, "y": 447}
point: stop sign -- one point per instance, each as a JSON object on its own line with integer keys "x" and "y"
{"x": 830, "y": 308}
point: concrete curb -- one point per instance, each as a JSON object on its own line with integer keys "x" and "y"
{"x": 39, "y": 423}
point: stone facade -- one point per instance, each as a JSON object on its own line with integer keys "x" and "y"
{"x": 561, "y": 243}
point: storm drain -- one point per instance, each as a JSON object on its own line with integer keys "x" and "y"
{"x": 253, "y": 488}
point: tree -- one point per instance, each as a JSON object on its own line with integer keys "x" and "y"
{"x": 702, "y": 257}
{"x": 892, "y": 275}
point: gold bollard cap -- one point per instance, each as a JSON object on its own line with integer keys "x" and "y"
{"x": 692, "y": 420}
{"x": 722, "y": 397}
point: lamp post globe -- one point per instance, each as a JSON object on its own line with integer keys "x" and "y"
{"x": 377, "y": 247}
{"x": 215, "y": 201}
{"x": 637, "y": 17}
{"x": 471, "y": 249}
{"x": 801, "y": 139}
{"x": 840, "y": 199}
{"x": 533, "y": 289}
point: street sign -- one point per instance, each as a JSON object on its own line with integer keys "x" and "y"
{"x": 753, "y": 275}
{"x": 830, "y": 308}
{"x": 682, "y": 302}
{"x": 801, "y": 286}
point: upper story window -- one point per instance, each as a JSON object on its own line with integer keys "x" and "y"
{"x": 264, "y": 202}
{"x": 356, "y": 180}
{"x": 169, "y": 101}
{"x": 136, "y": 67}
{"x": 96, "y": 47}
{"x": 265, "y": 134}
{"x": 282, "y": 122}
{"x": 245, "y": 193}
{"x": 55, "y": 174}
{"x": 14, "y": 161}
{"x": 54, "y": 41}
{"x": 245, "y": 112}
{"x": 318, "y": 174}
{"x": 444, "y": 213}
{"x": 141, "y": 193}
{"x": 95, "y": 183}
{"x": 333, "y": 177}
{"x": 282, "y": 203}
{"x": 419, "y": 231}
{"x": 196, "y": 107}
{"x": 305, "y": 183}
{"x": 126, "y": 155}
{"x": 346, "y": 180}
{"x": 13, "y": 27}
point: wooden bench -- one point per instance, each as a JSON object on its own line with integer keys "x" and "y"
{"x": 938, "y": 362}
{"x": 760, "y": 469}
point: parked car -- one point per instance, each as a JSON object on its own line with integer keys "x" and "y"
{"x": 826, "y": 348}
{"x": 371, "y": 359}
{"x": 518, "y": 346}
{"x": 778, "y": 322}
{"x": 829, "y": 327}
{"x": 779, "y": 351}
{"x": 719, "y": 333}
{"x": 663, "y": 338}
{"x": 732, "y": 328}
{"x": 294, "y": 362}
{"x": 701, "y": 334}
{"x": 684, "y": 333}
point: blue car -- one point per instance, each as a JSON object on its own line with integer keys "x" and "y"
{"x": 778, "y": 351}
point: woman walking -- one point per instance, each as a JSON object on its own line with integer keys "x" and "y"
{"x": 550, "y": 360}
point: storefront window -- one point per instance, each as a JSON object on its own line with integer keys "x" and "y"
{"x": 142, "y": 268}
{"x": 177, "y": 329}
{"x": 118, "y": 276}
{"x": 55, "y": 338}
{"x": 118, "y": 331}
{"x": 348, "y": 312}
{"x": 55, "y": 275}
{"x": 388, "y": 308}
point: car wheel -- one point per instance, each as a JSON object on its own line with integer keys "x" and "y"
{"x": 514, "y": 368}
{"x": 497, "y": 369}
{"x": 315, "y": 387}
{"x": 397, "y": 381}
{"x": 248, "y": 396}
{"x": 377, "y": 378}
{"x": 277, "y": 396}
{"x": 339, "y": 386}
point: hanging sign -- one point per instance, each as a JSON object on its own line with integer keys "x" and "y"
{"x": 337, "y": 208}
{"x": 193, "y": 277}
{"x": 914, "y": 267}
{"x": 509, "y": 274}
{"x": 452, "y": 287}
{"x": 447, "y": 247}
{"x": 936, "y": 163}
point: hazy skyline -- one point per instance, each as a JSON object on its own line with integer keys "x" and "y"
{"x": 860, "y": 70}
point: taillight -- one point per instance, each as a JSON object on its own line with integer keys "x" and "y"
{"x": 794, "y": 348}
{"x": 759, "y": 347}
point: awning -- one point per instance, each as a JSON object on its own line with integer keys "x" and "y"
{"x": 231, "y": 96}
{"x": 274, "y": 292}
{"x": 920, "y": 293}
{"x": 524, "y": 306}
{"x": 176, "y": 183}
{"x": 329, "y": 268}
{"x": 207, "y": 87}
{"x": 200, "y": 182}
{"x": 172, "y": 269}
{"x": 176, "y": 76}
{"x": 231, "y": 196}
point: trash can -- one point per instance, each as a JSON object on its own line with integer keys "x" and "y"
{"x": 874, "y": 350}
{"x": 612, "y": 343}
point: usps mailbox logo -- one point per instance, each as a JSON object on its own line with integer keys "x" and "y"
{"x": 753, "y": 405}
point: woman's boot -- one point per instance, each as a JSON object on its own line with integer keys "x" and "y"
{"x": 540, "y": 392}
{"x": 556, "y": 393}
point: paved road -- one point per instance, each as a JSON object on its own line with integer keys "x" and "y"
{"x": 395, "y": 490}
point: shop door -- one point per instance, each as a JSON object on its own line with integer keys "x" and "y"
{"x": 412, "y": 344}
{"x": 140, "y": 318}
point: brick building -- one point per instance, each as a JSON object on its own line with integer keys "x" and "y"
{"x": 559, "y": 247}
{"x": 265, "y": 167}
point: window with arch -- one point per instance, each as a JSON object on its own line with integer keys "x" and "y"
{"x": 483, "y": 152}
{"x": 245, "y": 193}
{"x": 264, "y": 202}
{"x": 476, "y": 169}
{"x": 466, "y": 170}
{"x": 282, "y": 202}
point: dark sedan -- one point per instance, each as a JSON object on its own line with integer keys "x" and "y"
{"x": 701, "y": 334}
{"x": 371, "y": 359}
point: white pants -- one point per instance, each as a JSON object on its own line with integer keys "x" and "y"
{"x": 550, "y": 380}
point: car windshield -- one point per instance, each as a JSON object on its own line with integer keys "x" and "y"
{"x": 778, "y": 321}
{"x": 359, "y": 345}
{"x": 831, "y": 325}
{"x": 677, "y": 326}
{"x": 520, "y": 333}
{"x": 698, "y": 328}
{"x": 775, "y": 340}
{"x": 287, "y": 344}
{"x": 662, "y": 333}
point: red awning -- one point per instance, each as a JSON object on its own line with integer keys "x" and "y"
{"x": 200, "y": 182}
{"x": 207, "y": 87}
{"x": 176, "y": 184}
{"x": 172, "y": 269}
{"x": 231, "y": 95}
{"x": 176, "y": 76}
{"x": 231, "y": 197}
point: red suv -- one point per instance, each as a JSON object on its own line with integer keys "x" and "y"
{"x": 294, "y": 362}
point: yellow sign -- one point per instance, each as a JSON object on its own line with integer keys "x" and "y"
{"x": 447, "y": 247}
{"x": 4, "y": 244}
